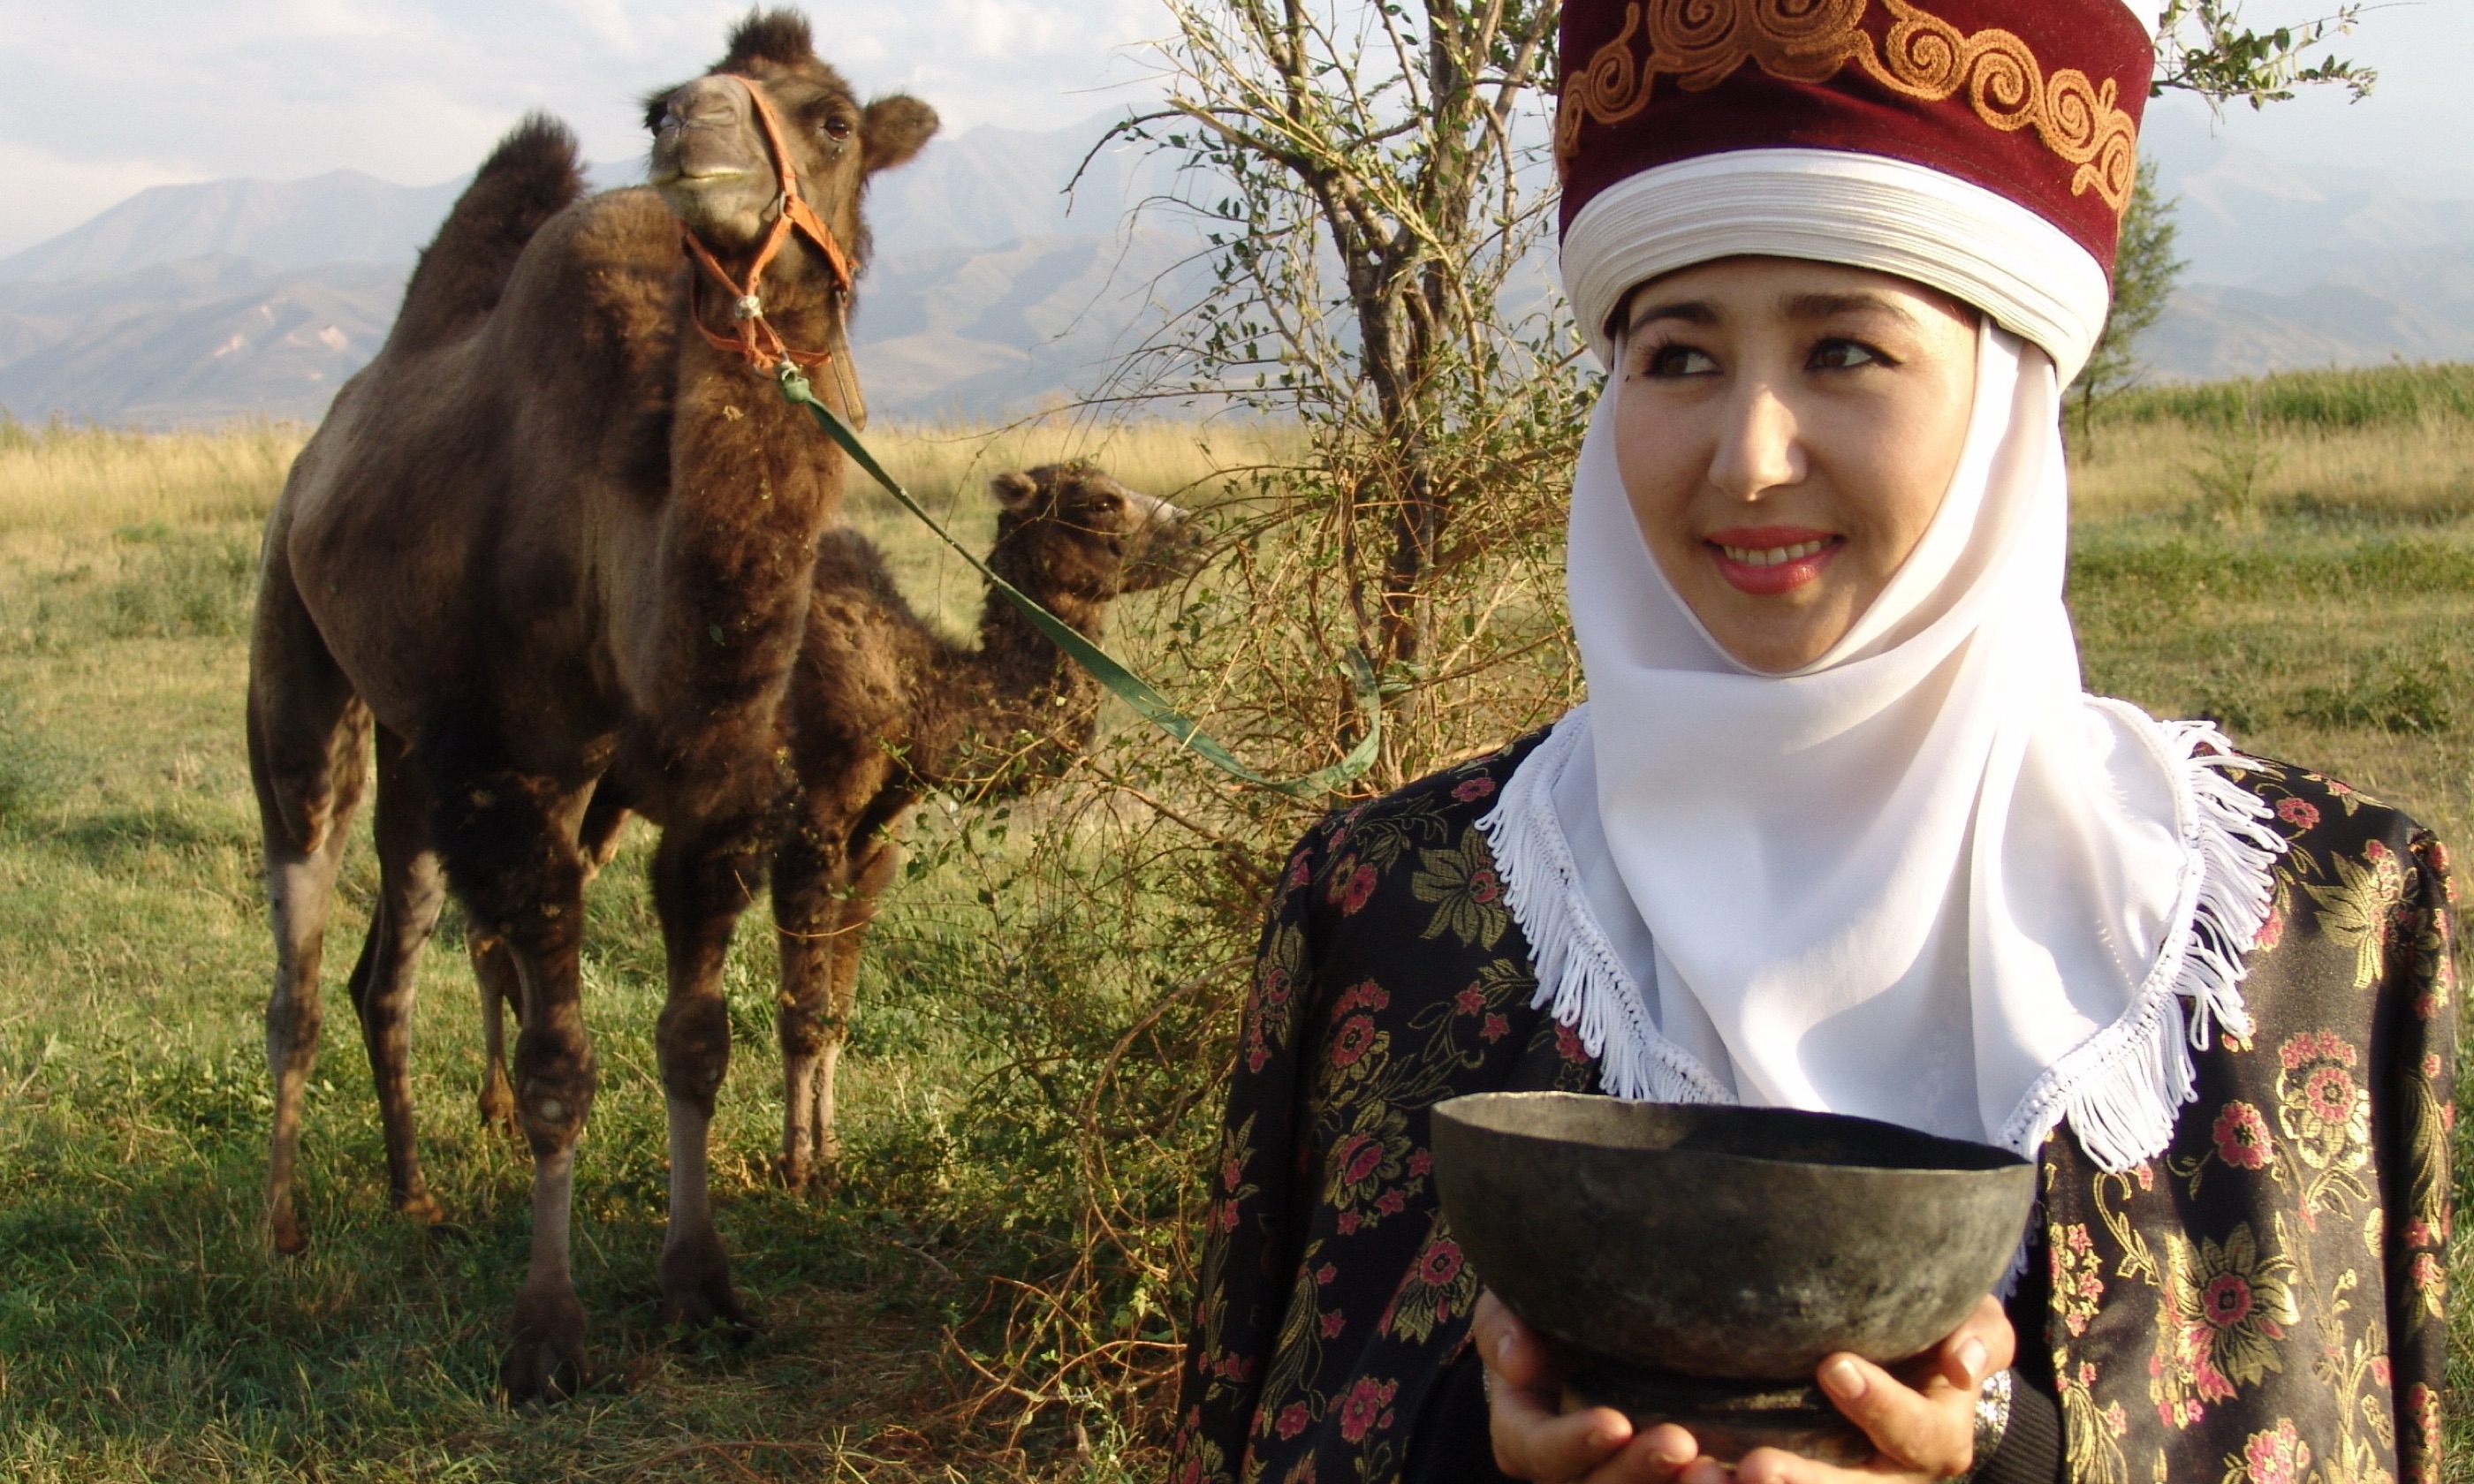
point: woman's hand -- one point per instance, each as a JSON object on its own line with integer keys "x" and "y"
{"x": 1922, "y": 1421}
{"x": 1524, "y": 1394}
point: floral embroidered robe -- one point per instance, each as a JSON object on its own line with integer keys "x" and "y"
{"x": 2262, "y": 1304}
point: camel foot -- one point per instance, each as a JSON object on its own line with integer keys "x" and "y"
{"x": 497, "y": 1105}
{"x": 547, "y": 1361}
{"x": 421, "y": 1210}
{"x": 696, "y": 1291}
{"x": 814, "y": 1173}
{"x": 284, "y": 1227}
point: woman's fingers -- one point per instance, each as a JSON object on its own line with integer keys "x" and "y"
{"x": 1931, "y": 1433}
{"x": 1982, "y": 1344}
{"x": 1532, "y": 1440}
{"x": 1505, "y": 1346}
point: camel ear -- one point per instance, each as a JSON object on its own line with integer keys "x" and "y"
{"x": 1014, "y": 491}
{"x": 894, "y": 130}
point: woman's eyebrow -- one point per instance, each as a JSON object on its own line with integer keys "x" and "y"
{"x": 1823, "y": 307}
{"x": 1691, "y": 311}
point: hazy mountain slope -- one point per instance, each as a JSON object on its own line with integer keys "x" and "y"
{"x": 166, "y": 350}
{"x": 2253, "y": 222}
{"x": 981, "y": 331}
{"x": 992, "y": 292}
{"x": 2414, "y": 306}
{"x": 342, "y": 216}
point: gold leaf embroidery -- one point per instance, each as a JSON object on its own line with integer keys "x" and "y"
{"x": 1700, "y": 43}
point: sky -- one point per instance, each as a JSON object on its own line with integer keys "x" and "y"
{"x": 109, "y": 98}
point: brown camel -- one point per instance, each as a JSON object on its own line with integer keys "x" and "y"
{"x": 558, "y": 532}
{"x": 886, "y": 707}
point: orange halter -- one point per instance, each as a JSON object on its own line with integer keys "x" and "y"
{"x": 748, "y": 305}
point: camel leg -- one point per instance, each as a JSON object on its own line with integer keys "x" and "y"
{"x": 703, "y": 879}
{"x": 556, "y": 1078}
{"x": 308, "y": 736}
{"x": 823, "y": 919}
{"x": 509, "y": 844}
{"x": 411, "y": 889}
{"x": 495, "y": 972}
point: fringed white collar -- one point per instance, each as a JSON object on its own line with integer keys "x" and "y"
{"x": 2118, "y": 1084}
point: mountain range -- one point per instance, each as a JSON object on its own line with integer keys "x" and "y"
{"x": 995, "y": 290}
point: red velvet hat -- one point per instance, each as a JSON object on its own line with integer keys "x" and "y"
{"x": 1984, "y": 147}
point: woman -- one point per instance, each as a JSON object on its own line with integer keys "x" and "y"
{"x": 1838, "y": 829}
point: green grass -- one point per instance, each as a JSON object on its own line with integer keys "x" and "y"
{"x": 2387, "y": 396}
{"x": 146, "y": 1333}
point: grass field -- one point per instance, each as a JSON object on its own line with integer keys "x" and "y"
{"x": 2302, "y": 569}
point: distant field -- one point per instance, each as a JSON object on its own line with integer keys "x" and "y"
{"x": 2301, "y": 567}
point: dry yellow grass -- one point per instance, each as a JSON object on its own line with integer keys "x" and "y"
{"x": 2411, "y": 470}
{"x": 60, "y": 477}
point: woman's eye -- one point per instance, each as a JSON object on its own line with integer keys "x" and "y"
{"x": 1679, "y": 361}
{"x": 1845, "y": 355}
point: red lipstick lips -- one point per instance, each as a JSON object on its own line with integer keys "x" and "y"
{"x": 1766, "y": 561}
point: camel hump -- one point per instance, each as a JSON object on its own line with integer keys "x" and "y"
{"x": 533, "y": 175}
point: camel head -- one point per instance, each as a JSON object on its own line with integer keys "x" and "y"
{"x": 1071, "y": 531}
{"x": 715, "y": 167}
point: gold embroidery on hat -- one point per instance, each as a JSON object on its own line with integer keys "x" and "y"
{"x": 1701, "y": 42}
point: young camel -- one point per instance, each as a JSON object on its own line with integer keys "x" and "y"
{"x": 558, "y": 532}
{"x": 885, "y": 708}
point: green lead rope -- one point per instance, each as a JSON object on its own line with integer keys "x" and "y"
{"x": 1123, "y": 684}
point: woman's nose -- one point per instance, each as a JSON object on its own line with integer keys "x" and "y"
{"x": 1760, "y": 447}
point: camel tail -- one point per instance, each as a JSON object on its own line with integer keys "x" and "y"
{"x": 531, "y": 176}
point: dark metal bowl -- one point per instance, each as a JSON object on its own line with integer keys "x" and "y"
{"x": 1725, "y": 1243}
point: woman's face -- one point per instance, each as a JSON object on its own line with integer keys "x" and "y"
{"x": 1786, "y": 431}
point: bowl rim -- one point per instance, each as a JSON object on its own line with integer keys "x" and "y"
{"x": 1994, "y": 1159}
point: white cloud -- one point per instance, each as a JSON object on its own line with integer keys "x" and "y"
{"x": 416, "y": 90}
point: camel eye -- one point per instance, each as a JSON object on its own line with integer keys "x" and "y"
{"x": 838, "y": 128}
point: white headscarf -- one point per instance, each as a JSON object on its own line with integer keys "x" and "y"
{"x": 1927, "y": 878}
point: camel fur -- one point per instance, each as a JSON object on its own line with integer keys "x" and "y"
{"x": 550, "y": 538}
{"x": 886, "y": 707}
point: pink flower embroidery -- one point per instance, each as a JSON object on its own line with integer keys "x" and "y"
{"x": 1293, "y": 1421}
{"x": 1473, "y": 790}
{"x": 1495, "y": 1029}
{"x": 1440, "y": 1264}
{"x": 1356, "y": 1035}
{"x": 1364, "y": 1410}
{"x": 1366, "y": 995}
{"x": 2277, "y": 1457}
{"x": 1567, "y": 1044}
{"x": 2330, "y": 1094}
{"x": 2242, "y": 1136}
{"x": 2300, "y": 813}
{"x": 2313, "y": 1047}
{"x": 2228, "y": 1300}
{"x": 1469, "y": 1001}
